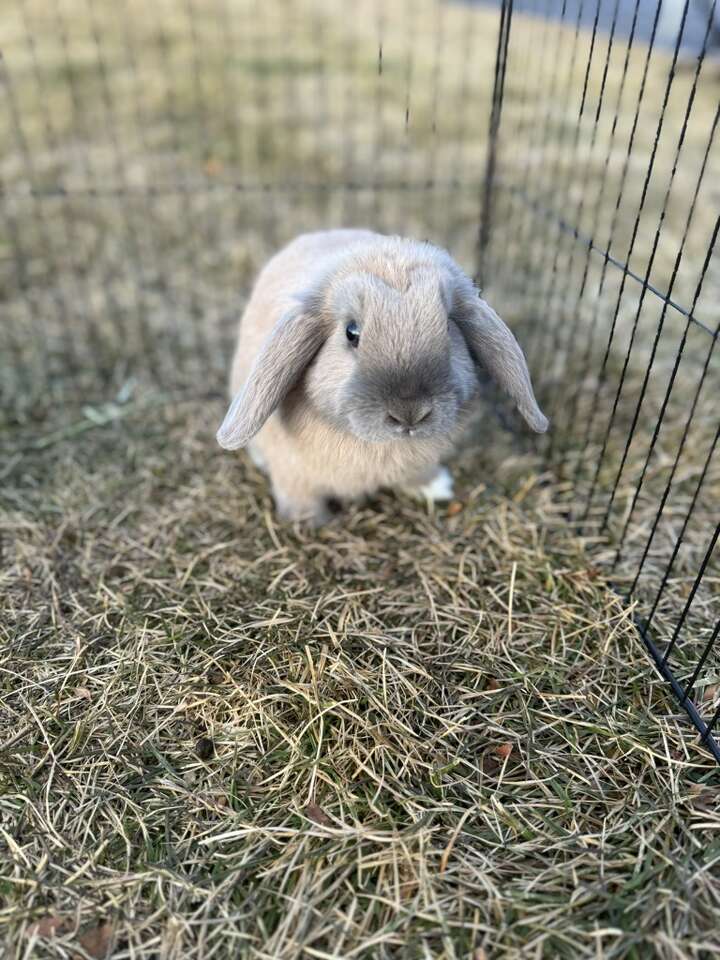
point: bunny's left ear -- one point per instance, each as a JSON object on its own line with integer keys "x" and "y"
{"x": 493, "y": 346}
{"x": 292, "y": 344}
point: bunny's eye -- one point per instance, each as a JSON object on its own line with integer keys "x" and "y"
{"x": 352, "y": 332}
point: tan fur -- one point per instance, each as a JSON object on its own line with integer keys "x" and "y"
{"x": 309, "y": 456}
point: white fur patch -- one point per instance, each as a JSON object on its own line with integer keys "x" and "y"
{"x": 440, "y": 487}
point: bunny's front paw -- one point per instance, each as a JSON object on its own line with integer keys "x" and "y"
{"x": 440, "y": 488}
{"x": 435, "y": 488}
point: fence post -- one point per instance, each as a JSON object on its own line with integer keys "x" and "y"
{"x": 486, "y": 210}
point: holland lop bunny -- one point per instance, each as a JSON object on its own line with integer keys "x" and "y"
{"x": 356, "y": 365}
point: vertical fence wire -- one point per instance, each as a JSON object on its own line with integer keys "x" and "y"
{"x": 405, "y": 108}
{"x": 379, "y": 112}
{"x": 557, "y": 285}
{"x": 78, "y": 294}
{"x": 584, "y": 366}
{"x": 22, "y": 365}
{"x": 150, "y": 255}
{"x": 203, "y": 344}
{"x": 119, "y": 168}
{"x": 489, "y": 184}
{"x": 549, "y": 330}
{"x": 348, "y": 116}
{"x": 431, "y": 164}
{"x": 559, "y": 321}
{"x": 190, "y": 249}
{"x": 114, "y": 332}
{"x": 465, "y": 119}
{"x": 501, "y": 266}
{"x": 532, "y": 181}
{"x": 260, "y": 96}
{"x": 651, "y": 258}
{"x": 587, "y": 433}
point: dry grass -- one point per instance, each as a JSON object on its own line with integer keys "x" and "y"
{"x": 416, "y": 734}
{"x": 224, "y": 737}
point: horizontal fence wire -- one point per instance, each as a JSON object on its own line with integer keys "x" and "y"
{"x": 57, "y": 191}
{"x": 585, "y": 241}
{"x": 616, "y": 248}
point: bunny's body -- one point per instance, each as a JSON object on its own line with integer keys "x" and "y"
{"x": 354, "y": 370}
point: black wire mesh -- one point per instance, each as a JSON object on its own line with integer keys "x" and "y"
{"x": 158, "y": 154}
{"x": 603, "y": 238}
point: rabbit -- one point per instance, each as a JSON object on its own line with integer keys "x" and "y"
{"x": 355, "y": 369}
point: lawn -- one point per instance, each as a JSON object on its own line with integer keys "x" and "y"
{"x": 419, "y": 732}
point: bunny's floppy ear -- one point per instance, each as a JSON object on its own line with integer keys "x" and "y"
{"x": 493, "y": 346}
{"x": 291, "y": 345}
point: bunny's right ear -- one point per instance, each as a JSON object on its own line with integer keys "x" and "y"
{"x": 292, "y": 344}
{"x": 494, "y": 347}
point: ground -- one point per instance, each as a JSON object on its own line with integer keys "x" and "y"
{"x": 224, "y": 736}
{"x": 422, "y": 732}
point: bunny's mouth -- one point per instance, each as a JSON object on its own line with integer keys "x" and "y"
{"x": 400, "y": 412}
{"x": 383, "y": 429}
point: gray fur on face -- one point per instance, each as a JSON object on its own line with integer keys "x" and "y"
{"x": 408, "y": 376}
{"x": 388, "y": 401}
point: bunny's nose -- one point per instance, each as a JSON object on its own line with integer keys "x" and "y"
{"x": 405, "y": 415}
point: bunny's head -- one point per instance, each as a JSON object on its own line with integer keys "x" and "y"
{"x": 384, "y": 344}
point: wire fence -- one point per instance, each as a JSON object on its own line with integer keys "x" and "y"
{"x": 158, "y": 155}
{"x": 604, "y": 232}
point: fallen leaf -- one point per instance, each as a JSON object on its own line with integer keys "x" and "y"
{"x": 709, "y": 693}
{"x": 455, "y": 507}
{"x": 97, "y": 941}
{"x": 313, "y": 812}
{"x": 504, "y": 750}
